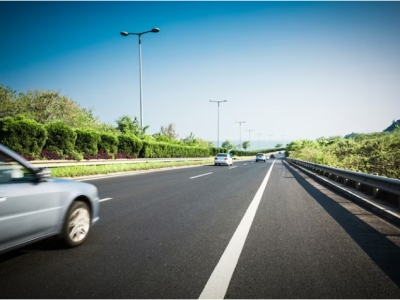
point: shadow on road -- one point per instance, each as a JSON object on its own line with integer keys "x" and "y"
{"x": 50, "y": 244}
{"x": 376, "y": 245}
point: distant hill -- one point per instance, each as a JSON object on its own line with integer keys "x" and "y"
{"x": 351, "y": 135}
{"x": 393, "y": 126}
{"x": 389, "y": 129}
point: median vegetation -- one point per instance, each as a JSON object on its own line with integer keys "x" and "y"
{"x": 369, "y": 153}
{"x": 77, "y": 171}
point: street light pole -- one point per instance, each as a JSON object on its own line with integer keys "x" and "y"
{"x": 218, "y": 117}
{"x": 124, "y": 33}
{"x": 240, "y": 135}
{"x": 249, "y": 130}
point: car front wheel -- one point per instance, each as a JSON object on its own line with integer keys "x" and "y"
{"x": 77, "y": 224}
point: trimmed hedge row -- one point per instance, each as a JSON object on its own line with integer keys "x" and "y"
{"x": 24, "y": 136}
{"x": 255, "y": 152}
{"x": 30, "y": 138}
{"x": 165, "y": 150}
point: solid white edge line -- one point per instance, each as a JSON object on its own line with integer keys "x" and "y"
{"x": 218, "y": 283}
{"x": 201, "y": 175}
{"x": 105, "y": 199}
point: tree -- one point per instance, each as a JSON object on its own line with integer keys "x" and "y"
{"x": 278, "y": 146}
{"x": 7, "y": 97}
{"x": 125, "y": 124}
{"x": 189, "y": 140}
{"x": 246, "y": 145}
{"x": 169, "y": 131}
{"x": 227, "y": 145}
{"x": 45, "y": 106}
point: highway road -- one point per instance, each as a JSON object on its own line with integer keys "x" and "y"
{"x": 257, "y": 230}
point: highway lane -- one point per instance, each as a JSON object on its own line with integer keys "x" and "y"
{"x": 159, "y": 237}
{"x": 163, "y": 233}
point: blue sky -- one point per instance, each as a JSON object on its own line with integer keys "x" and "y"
{"x": 298, "y": 69}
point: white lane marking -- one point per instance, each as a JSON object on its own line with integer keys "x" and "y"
{"x": 232, "y": 167}
{"x": 201, "y": 175}
{"x": 252, "y": 162}
{"x": 218, "y": 283}
{"x": 105, "y": 199}
{"x": 244, "y": 164}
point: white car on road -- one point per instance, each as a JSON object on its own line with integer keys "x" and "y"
{"x": 223, "y": 159}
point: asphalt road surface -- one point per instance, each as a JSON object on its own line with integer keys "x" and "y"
{"x": 258, "y": 230}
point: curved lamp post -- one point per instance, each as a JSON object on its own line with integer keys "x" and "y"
{"x": 124, "y": 33}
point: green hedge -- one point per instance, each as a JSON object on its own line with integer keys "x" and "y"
{"x": 214, "y": 151}
{"x": 166, "y": 150}
{"x": 22, "y": 135}
{"x": 61, "y": 138}
{"x": 87, "y": 141}
{"x": 129, "y": 144}
{"x": 108, "y": 143}
{"x": 255, "y": 152}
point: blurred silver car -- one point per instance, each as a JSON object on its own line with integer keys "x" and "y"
{"x": 34, "y": 206}
{"x": 223, "y": 159}
{"x": 261, "y": 156}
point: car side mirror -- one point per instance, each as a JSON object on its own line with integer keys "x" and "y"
{"x": 43, "y": 173}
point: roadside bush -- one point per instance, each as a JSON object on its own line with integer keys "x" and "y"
{"x": 87, "y": 141}
{"x": 167, "y": 150}
{"x": 22, "y": 135}
{"x": 129, "y": 144}
{"x": 214, "y": 151}
{"x": 108, "y": 143}
{"x": 61, "y": 138}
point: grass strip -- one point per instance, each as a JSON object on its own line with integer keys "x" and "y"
{"x": 75, "y": 171}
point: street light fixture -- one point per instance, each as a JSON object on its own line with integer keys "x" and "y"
{"x": 218, "y": 117}
{"x": 124, "y": 33}
{"x": 249, "y": 130}
{"x": 240, "y": 125}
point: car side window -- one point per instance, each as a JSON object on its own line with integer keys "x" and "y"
{"x": 12, "y": 171}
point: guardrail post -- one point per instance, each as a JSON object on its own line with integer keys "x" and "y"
{"x": 337, "y": 178}
{"x": 345, "y": 181}
{"x": 358, "y": 186}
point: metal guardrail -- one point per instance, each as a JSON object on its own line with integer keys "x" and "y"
{"x": 72, "y": 163}
{"x": 377, "y": 183}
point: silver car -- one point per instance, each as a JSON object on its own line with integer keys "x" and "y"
{"x": 34, "y": 206}
{"x": 261, "y": 156}
{"x": 223, "y": 159}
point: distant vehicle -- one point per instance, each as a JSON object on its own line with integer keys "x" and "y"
{"x": 272, "y": 156}
{"x": 223, "y": 159}
{"x": 34, "y": 206}
{"x": 280, "y": 152}
{"x": 261, "y": 156}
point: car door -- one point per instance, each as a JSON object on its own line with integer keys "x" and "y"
{"x": 29, "y": 209}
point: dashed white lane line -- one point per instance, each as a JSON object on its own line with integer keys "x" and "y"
{"x": 253, "y": 162}
{"x": 232, "y": 167}
{"x": 244, "y": 164}
{"x": 105, "y": 199}
{"x": 201, "y": 175}
{"x": 218, "y": 283}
